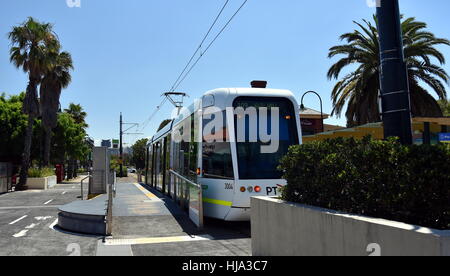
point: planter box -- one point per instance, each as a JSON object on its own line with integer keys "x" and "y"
{"x": 41, "y": 183}
{"x": 281, "y": 228}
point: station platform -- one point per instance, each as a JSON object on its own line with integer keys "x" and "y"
{"x": 147, "y": 223}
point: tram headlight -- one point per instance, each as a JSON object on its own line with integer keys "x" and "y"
{"x": 257, "y": 189}
{"x": 250, "y": 189}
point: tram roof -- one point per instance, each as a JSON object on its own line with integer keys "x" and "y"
{"x": 222, "y": 98}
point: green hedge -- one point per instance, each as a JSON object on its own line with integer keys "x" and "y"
{"x": 381, "y": 179}
{"x": 40, "y": 173}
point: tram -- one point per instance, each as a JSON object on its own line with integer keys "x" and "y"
{"x": 230, "y": 170}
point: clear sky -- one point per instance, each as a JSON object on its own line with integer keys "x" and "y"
{"x": 127, "y": 53}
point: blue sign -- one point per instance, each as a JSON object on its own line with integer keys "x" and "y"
{"x": 444, "y": 137}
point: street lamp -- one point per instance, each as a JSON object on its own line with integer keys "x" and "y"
{"x": 302, "y": 106}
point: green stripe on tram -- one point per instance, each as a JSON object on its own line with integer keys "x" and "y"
{"x": 218, "y": 202}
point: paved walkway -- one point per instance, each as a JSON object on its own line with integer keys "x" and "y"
{"x": 145, "y": 223}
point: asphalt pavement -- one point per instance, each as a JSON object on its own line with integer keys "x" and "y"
{"x": 145, "y": 223}
{"x": 28, "y": 224}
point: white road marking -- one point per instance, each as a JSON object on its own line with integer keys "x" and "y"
{"x": 48, "y": 202}
{"x": 31, "y": 226}
{"x": 17, "y": 220}
{"x": 64, "y": 193}
{"x": 53, "y": 224}
{"x": 43, "y": 218}
{"x": 20, "y": 234}
{"x": 29, "y": 207}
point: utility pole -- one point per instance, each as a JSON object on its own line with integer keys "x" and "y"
{"x": 396, "y": 106}
{"x": 121, "y": 147}
{"x": 124, "y": 132}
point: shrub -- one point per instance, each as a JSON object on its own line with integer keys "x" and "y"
{"x": 39, "y": 173}
{"x": 374, "y": 178}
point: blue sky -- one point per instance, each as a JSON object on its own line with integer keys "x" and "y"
{"x": 127, "y": 53}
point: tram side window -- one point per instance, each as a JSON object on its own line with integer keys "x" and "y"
{"x": 184, "y": 155}
{"x": 217, "y": 161}
{"x": 193, "y": 149}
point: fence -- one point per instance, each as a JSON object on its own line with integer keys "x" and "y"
{"x": 5, "y": 177}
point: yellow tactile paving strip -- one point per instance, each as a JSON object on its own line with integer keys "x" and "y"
{"x": 146, "y": 192}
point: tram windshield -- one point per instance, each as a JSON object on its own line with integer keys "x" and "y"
{"x": 253, "y": 163}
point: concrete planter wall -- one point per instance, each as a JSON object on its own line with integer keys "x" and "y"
{"x": 282, "y": 228}
{"x": 41, "y": 183}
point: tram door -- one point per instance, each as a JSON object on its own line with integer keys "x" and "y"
{"x": 153, "y": 174}
{"x": 147, "y": 165}
{"x": 166, "y": 164}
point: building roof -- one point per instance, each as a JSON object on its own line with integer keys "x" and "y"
{"x": 308, "y": 113}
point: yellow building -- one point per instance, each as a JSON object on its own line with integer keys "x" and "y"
{"x": 425, "y": 130}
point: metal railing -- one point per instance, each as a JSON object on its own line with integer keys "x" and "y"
{"x": 194, "y": 193}
{"x": 109, "y": 209}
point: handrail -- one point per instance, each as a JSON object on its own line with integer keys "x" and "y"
{"x": 82, "y": 194}
{"x": 109, "y": 215}
{"x": 185, "y": 179}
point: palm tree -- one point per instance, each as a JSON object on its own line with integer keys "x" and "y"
{"x": 55, "y": 79}
{"x": 78, "y": 114}
{"x": 360, "y": 88}
{"x": 31, "y": 43}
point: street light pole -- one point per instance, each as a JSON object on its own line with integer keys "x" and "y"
{"x": 394, "y": 85}
{"x": 302, "y": 107}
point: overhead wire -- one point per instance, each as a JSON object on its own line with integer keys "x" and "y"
{"x": 184, "y": 74}
{"x": 209, "y": 46}
{"x": 200, "y": 45}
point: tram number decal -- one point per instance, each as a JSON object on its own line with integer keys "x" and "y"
{"x": 271, "y": 190}
{"x": 229, "y": 186}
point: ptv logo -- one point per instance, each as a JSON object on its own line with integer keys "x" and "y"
{"x": 273, "y": 189}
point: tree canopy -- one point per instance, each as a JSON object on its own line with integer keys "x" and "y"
{"x": 445, "y": 106}
{"x": 359, "y": 89}
{"x": 68, "y": 140}
{"x": 13, "y": 124}
{"x": 139, "y": 151}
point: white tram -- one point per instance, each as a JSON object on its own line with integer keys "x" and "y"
{"x": 229, "y": 170}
